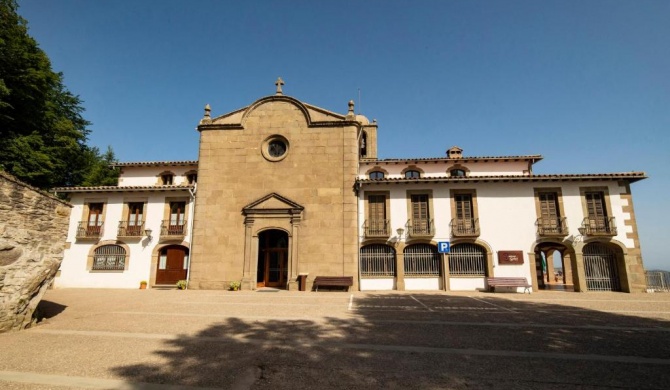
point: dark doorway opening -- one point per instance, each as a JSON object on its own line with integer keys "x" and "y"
{"x": 272, "y": 259}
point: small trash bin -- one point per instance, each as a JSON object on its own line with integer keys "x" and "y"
{"x": 302, "y": 280}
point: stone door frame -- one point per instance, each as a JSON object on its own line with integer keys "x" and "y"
{"x": 272, "y": 211}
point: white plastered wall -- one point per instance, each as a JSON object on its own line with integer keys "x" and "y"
{"x": 507, "y": 216}
{"x": 74, "y": 271}
{"x": 148, "y": 176}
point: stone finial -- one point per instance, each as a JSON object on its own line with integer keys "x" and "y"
{"x": 350, "y": 114}
{"x": 207, "y": 119}
{"x": 279, "y": 83}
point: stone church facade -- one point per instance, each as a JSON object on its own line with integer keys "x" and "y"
{"x": 282, "y": 188}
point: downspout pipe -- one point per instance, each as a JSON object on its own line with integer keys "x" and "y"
{"x": 190, "y": 232}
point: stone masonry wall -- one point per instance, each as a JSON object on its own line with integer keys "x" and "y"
{"x": 33, "y": 228}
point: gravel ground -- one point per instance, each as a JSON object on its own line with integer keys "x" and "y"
{"x": 169, "y": 339}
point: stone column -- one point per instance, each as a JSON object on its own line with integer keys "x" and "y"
{"x": 579, "y": 276}
{"x": 293, "y": 256}
{"x": 533, "y": 270}
{"x": 400, "y": 268}
{"x": 567, "y": 268}
{"x": 248, "y": 280}
{"x": 622, "y": 261}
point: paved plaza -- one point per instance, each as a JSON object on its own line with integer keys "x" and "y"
{"x": 169, "y": 339}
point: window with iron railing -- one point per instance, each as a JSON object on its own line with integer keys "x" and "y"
{"x": 377, "y": 260}
{"x": 130, "y": 230}
{"x": 109, "y": 258}
{"x": 421, "y": 260}
{"x": 550, "y": 221}
{"x": 376, "y": 225}
{"x": 421, "y": 223}
{"x": 465, "y": 224}
{"x": 376, "y": 228}
{"x": 599, "y": 226}
{"x": 176, "y": 225}
{"x": 465, "y": 227}
{"x": 86, "y": 230}
{"x": 467, "y": 260}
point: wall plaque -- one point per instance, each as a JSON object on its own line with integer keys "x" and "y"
{"x": 510, "y": 257}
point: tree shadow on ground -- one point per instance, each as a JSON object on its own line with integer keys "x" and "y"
{"x": 421, "y": 341}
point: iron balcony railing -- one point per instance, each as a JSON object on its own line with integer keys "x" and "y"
{"x": 552, "y": 226}
{"x": 465, "y": 227}
{"x": 376, "y": 228}
{"x": 420, "y": 227}
{"x": 133, "y": 230}
{"x": 173, "y": 229}
{"x": 89, "y": 230}
{"x": 599, "y": 226}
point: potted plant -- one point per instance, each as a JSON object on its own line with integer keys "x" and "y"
{"x": 182, "y": 284}
{"x": 143, "y": 285}
{"x": 235, "y": 285}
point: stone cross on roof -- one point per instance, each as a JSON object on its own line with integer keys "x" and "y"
{"x": 279, "y": 83}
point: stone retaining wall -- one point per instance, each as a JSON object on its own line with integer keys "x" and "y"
{"x": 33, "y": 228}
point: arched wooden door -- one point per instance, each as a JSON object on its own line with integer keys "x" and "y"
{"x": 172, "y": 264}
{"x": 272, "y": 259}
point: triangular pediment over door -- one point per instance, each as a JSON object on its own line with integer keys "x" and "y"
{"x": 273, "y": 204}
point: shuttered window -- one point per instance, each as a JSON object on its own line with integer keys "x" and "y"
{"x": 595, "y": 204}
{"x": 463, "y": 206}
{"x": 377, "y": 207}
{"x": 548, "y": 205}
{"x": 420, "y": 207}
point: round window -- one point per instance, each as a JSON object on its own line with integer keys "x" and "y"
{"x": 275, "y": 148}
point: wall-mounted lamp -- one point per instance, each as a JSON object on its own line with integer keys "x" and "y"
{"x": 400, "y": 231}
{"x": 148, "y": 233}
{"x": 581, "y": 230}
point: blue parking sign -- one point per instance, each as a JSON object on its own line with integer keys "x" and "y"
{"x": 443, "y": 247}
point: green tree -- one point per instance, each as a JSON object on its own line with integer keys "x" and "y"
{"x": 100, "y": 173}
{"x": 42, "y": 128}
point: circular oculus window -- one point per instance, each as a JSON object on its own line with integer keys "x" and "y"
{"x": 275, "y": 148}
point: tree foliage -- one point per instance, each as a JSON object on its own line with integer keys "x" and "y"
{"x": 42, "y": 129}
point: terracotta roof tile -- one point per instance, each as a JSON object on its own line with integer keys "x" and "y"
{"x": 123, "y": 188}
{"x": 630, "y": 176}
{"x": 534, "y": 157}
{"x": 154, "y": 163}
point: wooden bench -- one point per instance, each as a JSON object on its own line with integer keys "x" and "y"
{"x": 508, "y": 282}
{"x": 333, "y": 281}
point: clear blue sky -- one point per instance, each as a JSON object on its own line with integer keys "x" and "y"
{"x": 584, "y": 83}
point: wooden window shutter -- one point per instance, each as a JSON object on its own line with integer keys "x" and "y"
{"x": 548, "y": 205}
{"x": 377, "y": 207}
{"x": 595, "y": 205}
{"x": 464, "y": 206}
{"x": 420, "y": 207}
